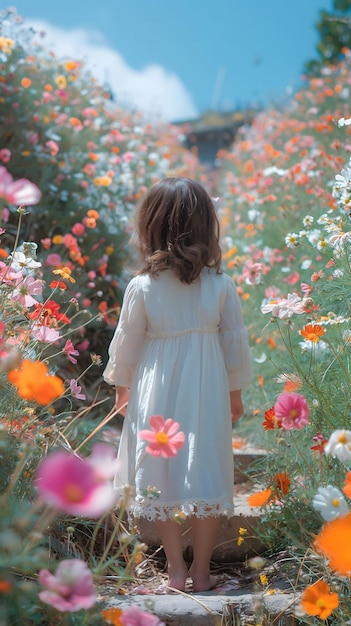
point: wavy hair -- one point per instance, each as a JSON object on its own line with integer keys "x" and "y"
{"x": 177, "y": 228}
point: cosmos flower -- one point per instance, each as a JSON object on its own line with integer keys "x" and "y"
{"x": 73, "y": 485}
{"x": 318, "y": 600}
{"x": 70, "y": 589}
{"x": 330, "y": 502}
{"x": 339, "y": 445}
{"x": 164, "y": 438}
{"x": 334, "y": 542}
{"x": 292, "y": 409}
{"x": 33, "y": 382}
{"x": 19, "y": 192}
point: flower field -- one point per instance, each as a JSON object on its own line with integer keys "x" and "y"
{"x": 72, "y": 168}
{"x": 285, "y": 189}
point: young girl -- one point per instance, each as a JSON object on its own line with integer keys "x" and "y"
{"x": 181, "y": 349}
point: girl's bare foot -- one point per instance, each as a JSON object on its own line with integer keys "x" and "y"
{"x": 203, "y": 582}
{"x": 177, "y": 578}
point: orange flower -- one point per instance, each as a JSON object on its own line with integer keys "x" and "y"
{"x": 347, "y": 486}
{"x": 271, "y": 422}
{"x": 26, "y": 82}
{"x": 312, "y": 332}
{"x": 92, "y": 213}
{"x": 71, "y": 66}
{"x": 318, "y": 600}
{"x": 34, "y": 383}
{"x": 260, "y": 498}
{"x": 112, "y": 616}
{"x": 102, "y": 181}
{"x": 334, "y": 541}
{"x": 281, "y": 482}
{"x": 65, "y": 272}
{"x": 5, "y": 586}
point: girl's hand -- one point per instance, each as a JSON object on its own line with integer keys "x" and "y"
{"x": 122, "y": 397}
{"x": 236, "y": 405}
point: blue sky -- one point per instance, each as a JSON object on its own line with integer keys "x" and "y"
{"x": 180, "y": 58}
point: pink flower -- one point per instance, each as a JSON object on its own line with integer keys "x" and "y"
{"x": 164, "y": 437}
{"x": 21, "y": 191}
{"x": 26, "y": 288}
{"x": 103, "y": 459}
{"x": 292, "y": 409}
{"x": 53, "y": 259}
{"x": 46, "y": 334}
{"x": 70, "y": 351}
{"x": 292, "y": 279}
{"x": 53, "y": 147}
{"x": 76, "y": 389}
{"x": 133, "y": 616}
{"x": 5, "y": 155}
{"x": 128, "y": 156}
{"x": 78, "y": 229}
{"x": 306, "y": 289}
{"x": 73, "y": 485}
{"x": 71, "y": 588}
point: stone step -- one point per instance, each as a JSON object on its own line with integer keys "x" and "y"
{"x": 213, "y": 609}
{"x": 227, "y": 548}
{"x": 247, "y": 463}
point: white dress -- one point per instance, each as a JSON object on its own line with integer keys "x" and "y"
{"x": 180, "y": 348}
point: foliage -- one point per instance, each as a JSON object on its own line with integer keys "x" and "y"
{"x": 334, "y": 34}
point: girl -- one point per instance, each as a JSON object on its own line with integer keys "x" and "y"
{"x": 181, "y": 349}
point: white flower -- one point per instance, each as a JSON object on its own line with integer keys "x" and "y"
{"x": 292, "y": 240}
{"x": 274, "y": 170}
{"x": 330, "y": 502}
{"x": 339, "y": 445}
{"x": 262, "y": 358}
{"x": 20, "y": 261}
{"x": 307, "y": 220}
{"x": 344, "y": 122}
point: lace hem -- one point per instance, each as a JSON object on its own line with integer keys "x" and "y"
{"x": 200, "y": 508}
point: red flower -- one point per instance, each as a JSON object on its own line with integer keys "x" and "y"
{"x": 271, "y": 421}
{"x": 48, "y": 314}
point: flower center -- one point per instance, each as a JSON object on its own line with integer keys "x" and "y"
{"x": 293, "y": 413}
{"x": 336, "y": 502}
{"x": 320, "y": 603}
{"x": 73, "y": 493}
{"x": 342, "y": 438}
{"x": 162, "y": 437}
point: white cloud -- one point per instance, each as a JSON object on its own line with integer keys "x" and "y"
{"x": 152, "y": 90}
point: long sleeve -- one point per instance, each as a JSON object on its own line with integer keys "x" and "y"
{"x": 234, "y": 340}
{"x": 128, "y": 341}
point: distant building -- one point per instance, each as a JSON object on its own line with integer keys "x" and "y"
{"x": 213, "y": 131}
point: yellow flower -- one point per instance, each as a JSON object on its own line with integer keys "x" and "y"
{"x": 263, "y": 579}
{"x": 65, "y": 272}
{"x": 6, "y": 45}
{"x": 61, "y": 81}
{"x": 109, "y": 250}
{"x": 57, "y": 239}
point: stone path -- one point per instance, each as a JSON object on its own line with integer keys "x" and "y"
{"x": 229, "y": 604}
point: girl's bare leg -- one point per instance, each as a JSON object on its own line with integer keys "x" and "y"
{"x": 171, "y": 537}
{"x": 204, "y": 531}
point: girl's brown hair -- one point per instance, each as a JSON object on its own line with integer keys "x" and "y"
{"x": 177, "y": 228}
